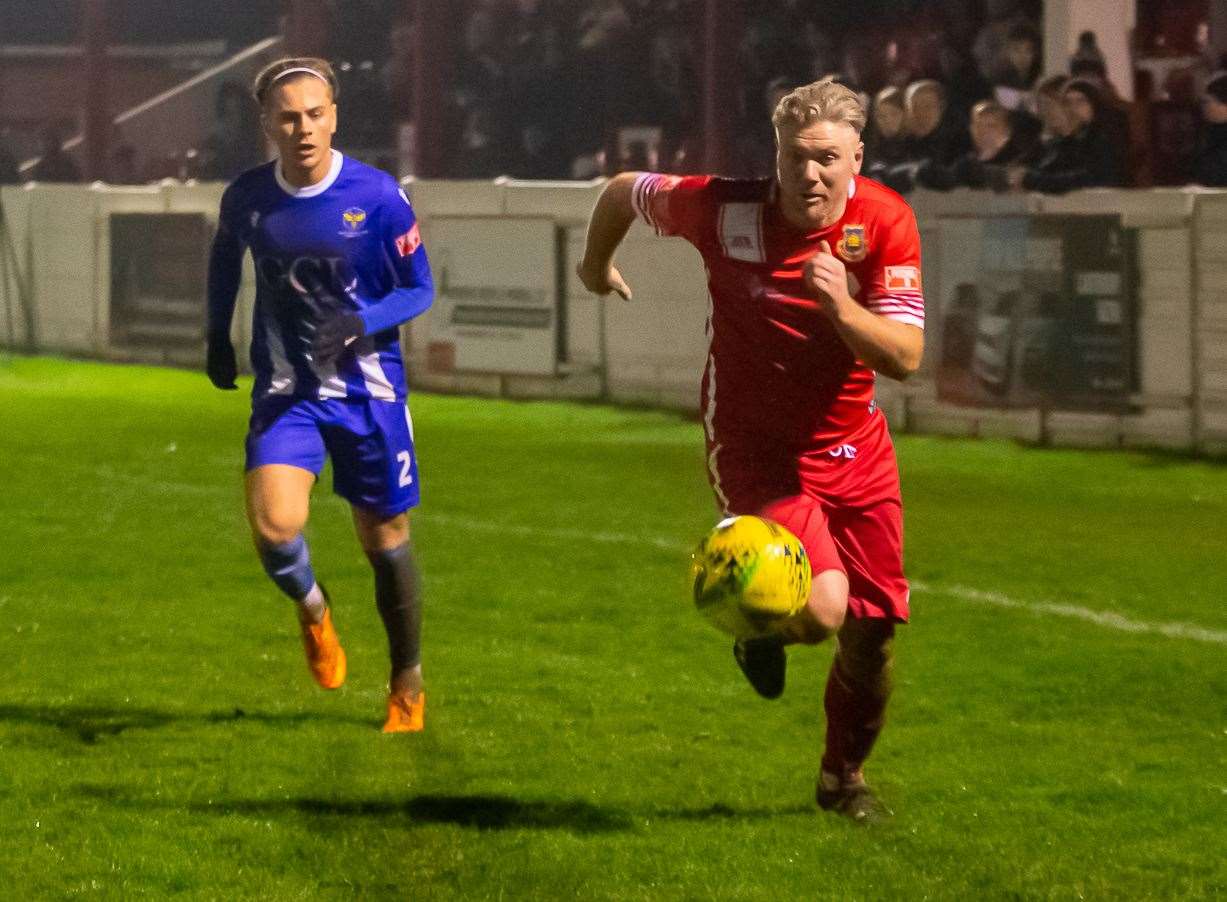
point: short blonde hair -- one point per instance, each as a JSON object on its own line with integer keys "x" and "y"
{"x": 991, "y": 109}
{"x": 825, "y": 100}
{"x": 889, "y": 96}
{"x": 275, "y": 73}
{"x": 924, "y": 86}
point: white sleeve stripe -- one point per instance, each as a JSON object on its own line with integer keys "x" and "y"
{"x": 897, "y": 298}
{"x": 909, "y": 318}
{"x": 876, "y": 303}
{"x": 641, "y": 197}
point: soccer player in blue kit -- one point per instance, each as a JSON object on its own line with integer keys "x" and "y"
{"x": 339, "y": 265}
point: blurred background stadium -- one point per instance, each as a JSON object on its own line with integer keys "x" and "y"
{"x": 1059, "y": 730}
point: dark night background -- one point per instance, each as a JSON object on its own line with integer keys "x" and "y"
{"x": 141, "y": 21}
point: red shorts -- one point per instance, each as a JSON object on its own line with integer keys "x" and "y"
{"x": 842, "y": 502}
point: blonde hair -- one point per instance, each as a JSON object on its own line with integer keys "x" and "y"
{"x": 889, "y": 96}
{"x": 924, "y": 86}
{"x": 825, "y": 100}
{"x": 290, "y": 68}
{"x": 993, "y": 109}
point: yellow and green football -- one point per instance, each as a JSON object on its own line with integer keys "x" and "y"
{"x": 749, "y": 576}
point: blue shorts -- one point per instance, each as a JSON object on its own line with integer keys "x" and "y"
{"x": 370, "y": 443}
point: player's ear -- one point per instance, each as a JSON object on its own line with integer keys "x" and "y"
{"x": 858, "y": 158}
{"x": 334, "y": 119}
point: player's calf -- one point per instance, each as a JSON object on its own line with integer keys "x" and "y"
{"x": 857, "y": 690}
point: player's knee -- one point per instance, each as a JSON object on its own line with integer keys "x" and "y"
{"x": 828, "y": 601}
{"x": 825, "y": 610}
{"x": 378, "y": 535}
{"x": 389, "y": 560}
{"x": 269, "y": 530}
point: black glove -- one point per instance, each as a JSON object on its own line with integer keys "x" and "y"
{"x": 335, "y": 335}
{"x": 220, "y": 363}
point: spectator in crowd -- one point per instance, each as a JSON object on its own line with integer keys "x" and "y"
{"x": 1114, "y": 108}
{"x": 934, "y": 137}
{"x": 755, "y": 151}
{"x": 1015, "y": 73}
{"x": 1093, "y": 155}
{"x": 396, "y": 72}
{"x": 934, "y": 133}
{"x": 672, "y": 88}
{"x": 1050, "y": 108}
{"x": 608, "y": 64}
{"x": 965, "y": 86}
{"x": 1088, "y": 50}
{"x": 480, "y": 155}
{"x": 820, "y": 50}
{"x": 886, "y": 144}
{"x": 995, "y": 145}
{"x": 1002, "y": 18}
{"x": 537, "y": 89}
{"x": 1210, "y": 164}
{"x": 482, "y": 73}
{"x": 122, "y": 169}
{"x": 234, "y": 144}
{"x": 539, "y": 155}
{"x": 55, "y": 165}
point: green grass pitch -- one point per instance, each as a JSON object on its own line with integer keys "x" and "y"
{"x": 1059, "y": 729}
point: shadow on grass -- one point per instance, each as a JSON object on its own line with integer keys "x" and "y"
{"x": 90, "y": 723}
{"x": 484, "y": 812}
{"x": 481, "y": 812}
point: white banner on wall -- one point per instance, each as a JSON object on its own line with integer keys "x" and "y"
{"x": 496, "y": 302}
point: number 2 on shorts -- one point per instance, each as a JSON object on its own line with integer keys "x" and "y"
{"x": 406, "y": 461}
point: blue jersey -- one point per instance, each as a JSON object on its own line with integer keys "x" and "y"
{"x": 348, "y": 243}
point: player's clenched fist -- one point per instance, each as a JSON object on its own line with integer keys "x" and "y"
{"x": 603, "y": 280}
{"x": 825, "y": 276}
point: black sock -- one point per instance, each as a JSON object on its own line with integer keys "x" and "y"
{"x": 397, "y": 595}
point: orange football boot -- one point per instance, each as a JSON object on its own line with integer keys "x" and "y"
{"x": 325, "y": 656}
{"x": 406, "y": 713}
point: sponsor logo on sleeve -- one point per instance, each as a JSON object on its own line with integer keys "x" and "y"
{"x": 409, "y": 242}
{"x": 902, "y": 278}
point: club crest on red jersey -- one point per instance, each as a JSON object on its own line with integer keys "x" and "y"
{"x": 852, "y": 246}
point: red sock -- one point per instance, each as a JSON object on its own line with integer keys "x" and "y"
{"x": 856, "y": 711}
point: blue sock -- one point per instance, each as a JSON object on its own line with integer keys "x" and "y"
{"x": 289, "y": 566}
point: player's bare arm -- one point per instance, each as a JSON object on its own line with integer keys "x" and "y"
{"x": 611, "y": 218}
{"x": 889, "y": 347}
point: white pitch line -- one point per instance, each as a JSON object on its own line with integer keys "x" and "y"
{"x": 1107, "y": 619}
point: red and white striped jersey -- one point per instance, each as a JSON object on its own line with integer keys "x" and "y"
{"x": 777, "y": 370}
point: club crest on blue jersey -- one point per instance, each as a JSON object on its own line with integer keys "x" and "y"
{"x": 354, "y": 220}
{"x": 852, "y": 246}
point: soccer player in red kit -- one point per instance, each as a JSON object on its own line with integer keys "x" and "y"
{"x": 814, "y": 282}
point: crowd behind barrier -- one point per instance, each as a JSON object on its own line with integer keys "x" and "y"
{"x": 558, "y": 89}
